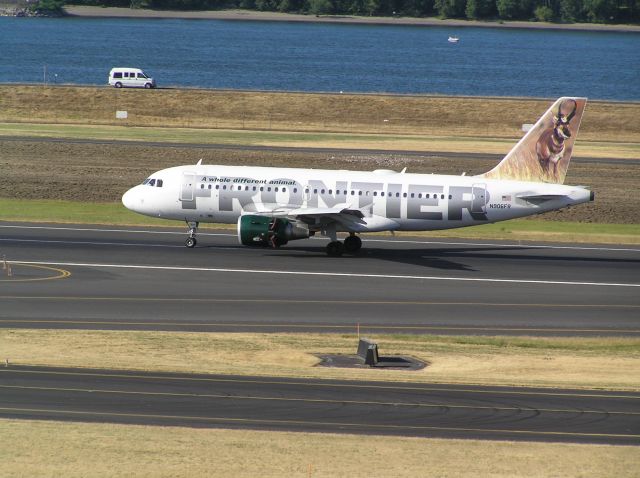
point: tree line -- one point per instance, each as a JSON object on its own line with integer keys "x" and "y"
{"x": 566, "y": 11}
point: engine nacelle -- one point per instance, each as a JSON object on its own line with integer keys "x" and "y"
{"x": 269, "y": 231}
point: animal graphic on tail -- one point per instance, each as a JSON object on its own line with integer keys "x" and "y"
{"x": 544, "y": 153}
{"x": 551, "y": 144}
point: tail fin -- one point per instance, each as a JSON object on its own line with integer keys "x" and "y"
{"x": 543, "y": 154}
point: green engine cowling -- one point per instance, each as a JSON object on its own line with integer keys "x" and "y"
{"x": 269, "y": 231}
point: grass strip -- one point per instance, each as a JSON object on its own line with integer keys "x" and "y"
{"x": 74, "y": 450}
{"x": 56, "y": 211}
{"x": 608, "y": 363}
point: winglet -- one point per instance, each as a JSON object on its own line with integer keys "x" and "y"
{"x": 543, "y": 154}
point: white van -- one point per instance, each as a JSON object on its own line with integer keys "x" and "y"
{"x": 130, "y": 78}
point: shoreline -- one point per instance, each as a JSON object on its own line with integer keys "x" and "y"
{"x": 250, "y": 15}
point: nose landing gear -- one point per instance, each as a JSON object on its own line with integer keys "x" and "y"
{"x": 191, "y": 240}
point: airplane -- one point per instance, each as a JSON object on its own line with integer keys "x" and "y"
{"x": 272, "y": 206}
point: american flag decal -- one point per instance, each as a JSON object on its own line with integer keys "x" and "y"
{"x": 506, "y": 198}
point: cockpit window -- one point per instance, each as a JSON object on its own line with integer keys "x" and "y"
{"x": 152, "y": 182}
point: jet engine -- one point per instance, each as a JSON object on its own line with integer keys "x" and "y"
{"x": 269, "y": 231}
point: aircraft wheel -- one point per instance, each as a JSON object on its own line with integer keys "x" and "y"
{"x": 335, "y": 249}
{"x": 352, "y": 244}
{"x": 191, "y": 242}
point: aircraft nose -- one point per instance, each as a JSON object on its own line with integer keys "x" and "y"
{"x": 131, "y": 199}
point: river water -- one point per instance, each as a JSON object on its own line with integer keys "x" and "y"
{"x": 324, "y": 57}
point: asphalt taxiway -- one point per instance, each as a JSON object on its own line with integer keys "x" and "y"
{"x": 422, "y": 410}
{"x": 67, "y": 276}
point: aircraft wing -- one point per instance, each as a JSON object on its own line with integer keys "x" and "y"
{"x": 339, "y": 209}
{"x": 298, "y": 212}
{"x": 351, "y": 219}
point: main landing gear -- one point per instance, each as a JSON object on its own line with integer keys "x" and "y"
{"x": 191, "y": 240}
{"x": 351, "y": 245}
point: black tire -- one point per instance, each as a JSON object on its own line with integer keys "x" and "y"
{"x": 118, "y": 84}
{"x": 335, "y": 249}
{"x": 352, "y": 244}
{"x": 190, "y": 242}
{"x": 148, "y": 86}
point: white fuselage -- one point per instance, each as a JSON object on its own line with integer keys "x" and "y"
{"x": 387, "y": 200}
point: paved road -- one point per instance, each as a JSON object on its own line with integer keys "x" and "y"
{"x": 453, "y": 411}
{"x": 116, "y": 278}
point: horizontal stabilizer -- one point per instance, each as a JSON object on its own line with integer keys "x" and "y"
{"x": 540, "y": 198}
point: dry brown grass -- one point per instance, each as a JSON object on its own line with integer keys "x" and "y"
{"x": 35, "y": 448}
{"x": 612, "y": 363}
{"x": 423, "y": 115}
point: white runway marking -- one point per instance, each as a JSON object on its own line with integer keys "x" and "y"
{"x": 132, "y": 231}
{"x": 329, "y": 274}
{"x": 91, "y": 243}
{"x": 499, "y": 244}
{"x": 367, "y": 239}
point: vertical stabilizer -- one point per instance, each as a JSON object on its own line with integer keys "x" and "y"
{"x": 543, "y": 154}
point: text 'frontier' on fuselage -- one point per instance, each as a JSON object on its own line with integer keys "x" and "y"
{"x": 419, "y": 198}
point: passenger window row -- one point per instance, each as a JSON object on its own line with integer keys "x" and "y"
{"x": 322, "y": 191}
{"x": 247, "y": 188}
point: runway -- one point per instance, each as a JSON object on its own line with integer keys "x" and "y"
{"x": 266, "y": 403}
{"x": 66, "y": 276}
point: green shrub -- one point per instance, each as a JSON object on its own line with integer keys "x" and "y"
{"x": 49, "y": 7}
{"x": 543, "y": 13}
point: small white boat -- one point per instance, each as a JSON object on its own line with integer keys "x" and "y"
{"x": 453, "y": 40}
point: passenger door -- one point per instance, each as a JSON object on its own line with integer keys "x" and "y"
{"x": 188, "y": 186}
{"x": 479, "y": 198}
